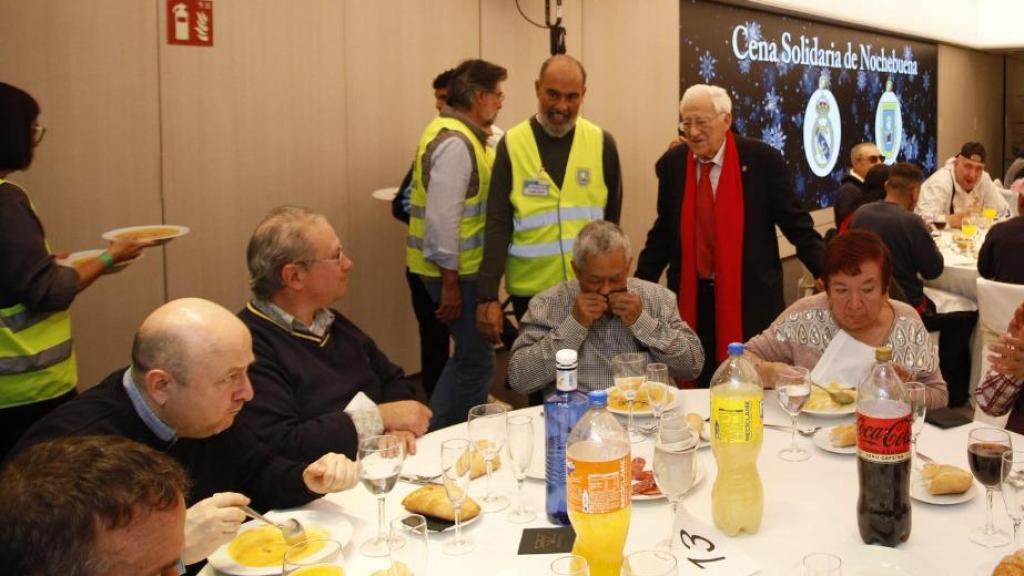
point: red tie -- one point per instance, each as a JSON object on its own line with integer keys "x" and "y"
{"x": 705, "y": 236}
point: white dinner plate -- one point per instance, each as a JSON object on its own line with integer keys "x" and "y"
{"x": 919, "y": 492}
{"x": 337, "y": 527}
{"x": 844, "y": 411}
{"x": 159, "y": 233}
{"x": 75, "y": 257}
{"x": 646, "y": 412}
{"x": 823, "y": 440}
{"x": 385, "y": 194}
{"x": 697, "y": 477}
{"x": 865, "y": 560}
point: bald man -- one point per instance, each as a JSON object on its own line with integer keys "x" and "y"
{"x": 552, "y": 175}
{"x": 187, "y": 382}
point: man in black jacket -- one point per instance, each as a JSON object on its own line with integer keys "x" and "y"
{"x": 863, "y": 157}
{"x": 187, "y": 383}
{"x": 722, "y": 254}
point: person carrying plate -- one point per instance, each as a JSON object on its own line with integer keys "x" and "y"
{"x": 37, "y": 361}
{"x": 834, "y": 333}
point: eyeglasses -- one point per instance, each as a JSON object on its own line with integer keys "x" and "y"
{"x": 499, "y": 95}
{"x": 699, "y": 122}
{"x": 337, "y": 259}
{"x": 874, "y": 159}
{"x": 38, "y": 131}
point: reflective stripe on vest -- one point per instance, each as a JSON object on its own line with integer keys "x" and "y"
{"x": 545, "y": 226}
{"x": 474, "y": 212}
{"x": 37, "y": 360}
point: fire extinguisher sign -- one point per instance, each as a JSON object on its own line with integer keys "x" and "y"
{"x": 190, "y": 22}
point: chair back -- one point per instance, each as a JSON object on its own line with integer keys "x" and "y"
{"x": 997, "y": 302}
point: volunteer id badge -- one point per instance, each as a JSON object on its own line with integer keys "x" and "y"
{"x": 535, "y": 188}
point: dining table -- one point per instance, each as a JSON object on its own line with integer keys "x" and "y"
{"x": 809, "y": 507}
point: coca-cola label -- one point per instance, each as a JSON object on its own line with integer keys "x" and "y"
{"x": 883, "y": 440}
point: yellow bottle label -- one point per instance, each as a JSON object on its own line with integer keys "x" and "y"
{"x": 737, "y": 419}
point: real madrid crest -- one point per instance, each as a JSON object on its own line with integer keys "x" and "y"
{"x": 889, "y": 124}
{"x": 822, "y": 129}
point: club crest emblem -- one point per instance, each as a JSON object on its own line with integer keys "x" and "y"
{"x": 583, "y": 176}
{"x": 822, "y": 129}
{"x": 889, "y": 124}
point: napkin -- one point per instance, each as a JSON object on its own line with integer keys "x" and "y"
{"x": 691, "y": 540}
{"x": 360, "y": 402}
{"x": 846, "y": 361}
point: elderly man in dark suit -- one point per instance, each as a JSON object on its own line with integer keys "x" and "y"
{"x": 719, "y": 200}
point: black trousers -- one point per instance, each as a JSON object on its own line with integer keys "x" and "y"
{"x": 706, "y": 329}
{"x": 954, "y": 330}
{"x": 434, "y": 346}
{"x": 18, "y": 419}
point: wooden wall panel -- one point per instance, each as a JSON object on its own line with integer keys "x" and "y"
{"x": 256, "y": 121}
{"x": 92, "y": 66}
{"x": 971, "y": 103}
{"x": 393, "y": 50}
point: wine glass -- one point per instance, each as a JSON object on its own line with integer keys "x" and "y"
{"x": 650, "y": 563}
{"x": 456, "y": 464}
{"x": 488, "y": 427}
{"x": 915, "y": 394}
{"x": 380, "y": 463}
{"x": 570, "y": 565}
{"x": 409, "y": 544}
{"x": 939, "y": 221}
{"x": 520, "y": 450}
{"x": 969, "y": 225}
{"x": 985, "y": 447}
{"x": 656, "y": 388}
{"x": 315, "y": 557}
{"x": 628, "y": 370}
{"x": 1012, "y": 487}
{"x": 674, "y": 466}
{"x": 793, "y": 386}
{"x": 821, "y": 564}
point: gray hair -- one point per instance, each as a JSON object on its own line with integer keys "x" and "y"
{"x": 856, "y": 150}
{"x": 599, "y": 237}
{"x": 719, "y": 97}
{"x": 280, "y": 239}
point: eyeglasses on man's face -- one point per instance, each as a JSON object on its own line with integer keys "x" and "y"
{"x": 699, "y": 122}
{"x": 874, "y": 159}
{"x": 335, "y": 260}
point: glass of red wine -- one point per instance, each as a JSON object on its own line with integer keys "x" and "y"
{"x": 985, "y": 447}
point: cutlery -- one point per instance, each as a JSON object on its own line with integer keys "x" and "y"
{"x": 840, "y": 397}
{"x": 419, "y": 478}
{"x": 803, "y": 430}
{"x": 291, "y": 529}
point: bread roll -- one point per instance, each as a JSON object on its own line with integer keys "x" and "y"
{"x": 843, "y": 436}
{"x": 695, "y": 422}
{"x": 1011, "y": 565}
{"x": 432, "y": 500}
{"x": 396, "y": 569}
{"x": 475, "y": 459}
{"x": 946, "y": 479}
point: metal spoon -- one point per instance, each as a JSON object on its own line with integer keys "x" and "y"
{"x": 291, "y": 529}
{"x": 840, "y": 397}
{"x": 802, "y": 430}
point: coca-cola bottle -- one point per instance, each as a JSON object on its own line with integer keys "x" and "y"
{"x": 883, "y": 455}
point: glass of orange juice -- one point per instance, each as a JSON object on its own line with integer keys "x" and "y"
{"x": 327, "y": 561}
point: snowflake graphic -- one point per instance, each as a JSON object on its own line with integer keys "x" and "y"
{"x": 783, "y": 67}
{"x": 929, "y": 162}
{"x": 745, "y": 66}
{"x": 707, "y": 66}
{"x": 927, "y": 80}
{"x": 740, "y": 124}
{"x": 862, "y": 80}
{"x": 908, "y": 53}
{"x": 910, "y": 148}
{"x": 753, "y": 31}
{"x": 844, "y": 77}
{"x": 809, "y": 81}
{"x": 869, "y": 135}
{"x": 874, "y": 83}
{"x": 799, "y": 185}
{"x": 774, "y": 137}
{"x": 773, "y": 102}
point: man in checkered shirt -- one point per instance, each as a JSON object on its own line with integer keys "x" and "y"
{"x": 602, "y": 313}
{"x": 999, "y": 392}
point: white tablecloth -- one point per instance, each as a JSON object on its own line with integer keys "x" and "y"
{"x": 809, "y": 506}
{"x": 960, "y": 275}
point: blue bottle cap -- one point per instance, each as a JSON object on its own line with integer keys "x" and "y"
{"x": 736, "y": 349}
{"x": 597, "y": 397}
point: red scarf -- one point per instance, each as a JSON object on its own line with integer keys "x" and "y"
{"x": 728, "y": 250}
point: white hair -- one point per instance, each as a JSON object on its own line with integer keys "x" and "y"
{"x": 719, "y": 97}
{"x": 599, "y": 237}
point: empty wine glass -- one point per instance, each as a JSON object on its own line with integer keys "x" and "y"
{"x": 488, "y": 428}
{"x": 793, "y": 386}
{"x": 821, "y": 564}
{"x": 628, "y": 370}
{"x": 380, "y": 463}
{"x": 314, "y": 557}
{"x": 674, "y": 463}
{"x": 915, "y": 394}
{"x": 456, "y": 464}
{"x": 649, "y": 563}
{"x": 985, "y": 448}
{"x": 571, "y": 565}
{"x": 520, "y": 450}
{"x": 656, "y": 388}
{"x": 409, "y": 545}
{"x": 1012, "y": 487}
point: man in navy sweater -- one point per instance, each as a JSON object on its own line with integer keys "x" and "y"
{"x": 311, "y": 361}
{"x": 186, "y": 385}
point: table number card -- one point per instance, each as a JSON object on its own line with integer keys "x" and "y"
{"x": 701, "y": 549}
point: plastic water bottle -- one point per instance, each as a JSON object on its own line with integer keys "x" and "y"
{"x": 599, "y": 486}
{"x": 562, "y": 409}
{"x": 737, "y": 420}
